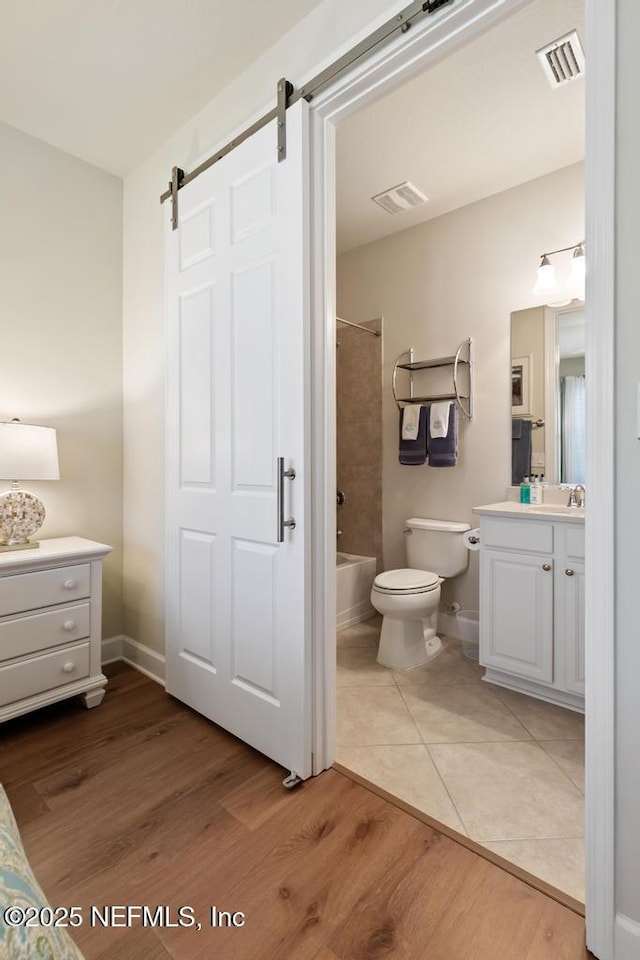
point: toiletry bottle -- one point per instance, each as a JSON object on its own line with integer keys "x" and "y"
{"x": 525, "y": 491}
{"x": 536, "y": 491}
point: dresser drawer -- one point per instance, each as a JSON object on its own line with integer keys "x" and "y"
{"x": 28, "y": 677}
{"x": 29, "y": 591}
{"x": 51, "y": 628}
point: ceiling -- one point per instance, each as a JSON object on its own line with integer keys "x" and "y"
{"x": 110, "y": 80}
{"x": 481, "y": 121}
{"x": 106, "y": 81}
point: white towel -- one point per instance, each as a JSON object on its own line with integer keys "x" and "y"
{"x": 410, "y": 421}
{"x": 439, "y": 419}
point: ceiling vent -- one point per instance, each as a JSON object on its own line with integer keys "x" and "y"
{"x": 562, "y": 60}
{"x": 402, "y": 197}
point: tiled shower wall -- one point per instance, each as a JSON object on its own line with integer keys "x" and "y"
{"x": 359, "y": 440}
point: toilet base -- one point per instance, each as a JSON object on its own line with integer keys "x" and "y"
{"x": 407, "y": 643}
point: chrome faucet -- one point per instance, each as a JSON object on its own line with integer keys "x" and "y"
{"x": 576, "y": 496}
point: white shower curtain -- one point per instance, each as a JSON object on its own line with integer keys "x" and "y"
{"x": 572, "y": 430}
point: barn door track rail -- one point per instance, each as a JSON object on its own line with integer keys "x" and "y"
{"x": 287, "y": 95}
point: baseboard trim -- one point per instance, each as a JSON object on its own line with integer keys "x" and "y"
{"x": 144, "y": 659}
{"x": 137, "y": 655}
{"x": 448, "y": 625}
{"x": 627, "y": 938}
{"x": 112, "y": 649}
{"x": 348, "y": 618}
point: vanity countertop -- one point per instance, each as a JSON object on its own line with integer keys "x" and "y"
{"x": 533, "y": 511}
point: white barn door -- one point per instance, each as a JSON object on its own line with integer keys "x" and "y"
{"x": 238, "y": 647}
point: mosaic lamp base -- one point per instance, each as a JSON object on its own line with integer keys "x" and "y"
{"x": 21, "y": 516}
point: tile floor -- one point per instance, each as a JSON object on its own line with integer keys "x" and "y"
{"x": 505, "y": 769}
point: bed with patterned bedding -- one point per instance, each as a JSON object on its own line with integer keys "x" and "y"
{"x": 20, "y": 889}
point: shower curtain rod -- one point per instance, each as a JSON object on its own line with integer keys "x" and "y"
{"x": 359, "y": 326}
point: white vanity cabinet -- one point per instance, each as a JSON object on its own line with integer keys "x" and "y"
{"x": 50, "y": 624}
{"x": 532, "y": 605}
{"x": 570, "y": 600}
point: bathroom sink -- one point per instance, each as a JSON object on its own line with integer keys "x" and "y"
{"x": 556, "y": 508}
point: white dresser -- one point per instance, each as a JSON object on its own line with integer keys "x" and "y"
{"x": 50, "y": 624}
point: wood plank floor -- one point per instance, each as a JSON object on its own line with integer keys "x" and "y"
{"x": 141, "y": 801}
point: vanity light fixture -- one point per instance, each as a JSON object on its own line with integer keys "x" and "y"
{"x": 546, "y": 281}
{"x": 27, "y": 452}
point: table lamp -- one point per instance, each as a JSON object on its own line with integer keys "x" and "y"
{"x": 27, "y": 452}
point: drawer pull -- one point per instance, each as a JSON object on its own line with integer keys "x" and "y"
{"x": 546, "y": 567}
{"x": 569, "y": 572}
{"x": 69, "y": 625}
{"x": 68, "y": 668}
{"x": 69, "y": 584}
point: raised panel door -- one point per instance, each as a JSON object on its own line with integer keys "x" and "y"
{"x": 570, "y": 604}
{"x": 238, "y": 647}
{"x": 516, "y": 622}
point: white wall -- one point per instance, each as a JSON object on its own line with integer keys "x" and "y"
{"x": 436, "y": 284}
{"x": 316, "y": 40}
{"x": 61, "y": 309}
{"x": 627, "y": 470}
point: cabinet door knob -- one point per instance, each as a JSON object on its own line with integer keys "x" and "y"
{"x": 546, "y": 566}
{"x": 69, "y": 625}
{"x": 68, "y": 668}
{"x": 569, "y": 572}
{"x": 69, "y": 584}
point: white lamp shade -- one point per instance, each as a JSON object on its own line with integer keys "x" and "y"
{"x": 546, "y": 277}
{"x": 28, "y": 452}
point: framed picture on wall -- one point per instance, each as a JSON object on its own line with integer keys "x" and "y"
{"x": 521, "y": 385}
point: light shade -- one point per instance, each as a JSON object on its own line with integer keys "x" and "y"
{"x": 546, "y": 277}
{"x": 28, "y": 452}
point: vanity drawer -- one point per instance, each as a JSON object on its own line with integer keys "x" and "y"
{"x": 528, "y": 535}
{"x": 29, "y": 591}
{"x": 37, "y": 674}
{"x": 51, "y": 628}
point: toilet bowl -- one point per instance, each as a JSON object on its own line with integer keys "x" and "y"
{"x": 408, "y": 601}
{"x": 408, "y": 598}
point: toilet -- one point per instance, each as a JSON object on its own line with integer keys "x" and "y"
{"x": 408, "y": 599}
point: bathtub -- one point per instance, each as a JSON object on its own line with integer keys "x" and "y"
{"x": 354, "y": 577}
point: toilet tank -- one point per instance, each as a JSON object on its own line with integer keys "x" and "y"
{"x": 436, "y": 545}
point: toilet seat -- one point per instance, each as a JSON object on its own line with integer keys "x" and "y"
{"x": 401, "y": 582}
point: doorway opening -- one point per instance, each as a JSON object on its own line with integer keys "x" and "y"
{"x": 499, "y": 154}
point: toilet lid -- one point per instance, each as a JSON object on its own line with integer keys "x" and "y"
{"x": 406, "y": 581}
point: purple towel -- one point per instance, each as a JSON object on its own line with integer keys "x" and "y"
{"x": 414, "y": 452}
{"x": 443, "y": 451}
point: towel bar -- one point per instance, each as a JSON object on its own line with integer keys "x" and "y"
{"x": 534, "y": 423}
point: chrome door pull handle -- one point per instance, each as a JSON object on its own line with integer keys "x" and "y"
{"x": 290, "y": 474}
{"x": 569, "y": 572}
{"x": 546, "y": 567}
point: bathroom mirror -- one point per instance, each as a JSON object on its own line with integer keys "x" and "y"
{"x": 548, "y": 393}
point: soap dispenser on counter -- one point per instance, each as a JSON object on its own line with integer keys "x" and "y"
{"x": 536, "y": 491}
